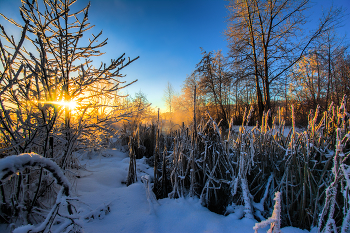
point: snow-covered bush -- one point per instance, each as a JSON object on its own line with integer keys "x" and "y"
{"x": 16, "y": 164}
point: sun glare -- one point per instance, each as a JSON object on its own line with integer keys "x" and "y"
{"x": 71, "y": 104}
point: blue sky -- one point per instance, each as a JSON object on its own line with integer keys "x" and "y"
{"x": 166, "y": 34}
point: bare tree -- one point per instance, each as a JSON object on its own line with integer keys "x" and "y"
{"x": 317, "y": 77}
{"x": 59, "y": 71}
{"x": 215, "y": 83}
{"x": 168, "y": 97}
{"x": 50, "y": 89}
{"x": 183, "y": 103}
{"x": 266, "y": 38}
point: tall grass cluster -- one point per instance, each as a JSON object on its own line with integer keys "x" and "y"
{"x": 245, "y": 166}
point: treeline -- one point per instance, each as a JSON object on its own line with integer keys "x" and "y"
{"x": 273, "y": 63}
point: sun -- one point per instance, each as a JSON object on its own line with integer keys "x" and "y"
{"x": 70, "y": 104}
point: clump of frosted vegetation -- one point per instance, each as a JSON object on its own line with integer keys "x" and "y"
{"x": 246, "y": 167}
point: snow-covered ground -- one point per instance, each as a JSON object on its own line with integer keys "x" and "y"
{"x": 106, "y": 204}
{"x": 130, "y": 211}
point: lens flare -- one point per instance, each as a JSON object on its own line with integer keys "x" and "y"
{"x": 71, "y": 104}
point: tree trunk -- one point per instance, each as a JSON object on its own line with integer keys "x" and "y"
{"x": 259, "y": 98}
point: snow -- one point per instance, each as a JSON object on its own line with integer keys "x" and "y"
{"x": 24, "y": 229}
{"x": 108, "y": 205}
{"x": 130, "y": 211}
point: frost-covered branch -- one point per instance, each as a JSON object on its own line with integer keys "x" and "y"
{"x": 275, "y": 220}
